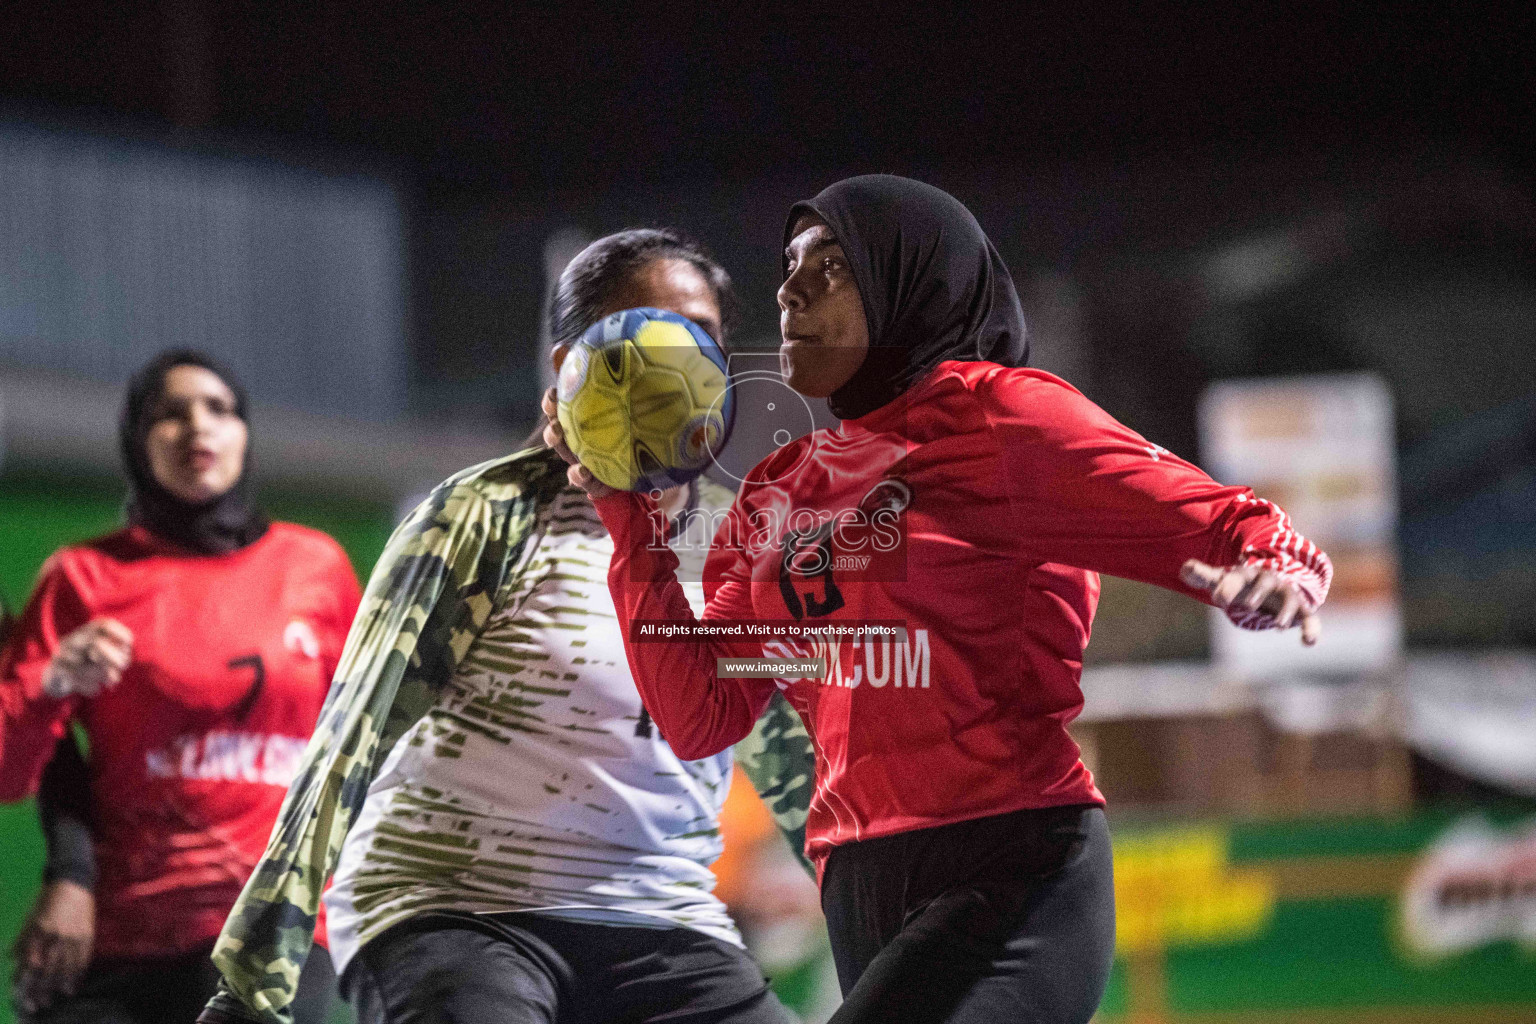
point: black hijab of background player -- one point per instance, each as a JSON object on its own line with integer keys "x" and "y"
{"x": 933, "y": 287}
{"x": 217, "y": 527}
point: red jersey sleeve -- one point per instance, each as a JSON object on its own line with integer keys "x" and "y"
{"x": 699, "y": 713}
{"x": 31, "y": 722}
{"x": 1087, "y": 491}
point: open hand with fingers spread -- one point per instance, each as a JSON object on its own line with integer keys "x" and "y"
{"x": 1251, "y": 588}
{"x": 89, "y": 660}
{"x": 578, "y": 474}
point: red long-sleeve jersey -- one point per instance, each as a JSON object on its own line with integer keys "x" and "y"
{"x": 193, "y": 750}
{"x": 977, "y": 509}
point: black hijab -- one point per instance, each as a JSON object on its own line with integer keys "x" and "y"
{"x": 933, "y": 286}
{"x": 228, "y": 522}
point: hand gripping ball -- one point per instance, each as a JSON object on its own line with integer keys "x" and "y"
{"x": 644, "y": 399}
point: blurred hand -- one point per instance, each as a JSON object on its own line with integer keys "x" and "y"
{"x": 55, "y": 946}
{"x": 89, "y": 660}
{"x": 578, "y": 474}
{"x": 1250, "y": 588}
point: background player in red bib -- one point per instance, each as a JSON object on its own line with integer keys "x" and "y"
{"x": 195, "y": 647}
{"x": 964, "y": 859}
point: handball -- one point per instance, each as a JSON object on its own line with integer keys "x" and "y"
{"x": 644, "y": 399}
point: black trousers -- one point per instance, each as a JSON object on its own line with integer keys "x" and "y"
{"x": 173, "y": 990}
{"x": 451, "y": 968}
{"x": 1000, "y": 919}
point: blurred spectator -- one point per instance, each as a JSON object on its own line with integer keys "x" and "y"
{"x": 195, "y": 648}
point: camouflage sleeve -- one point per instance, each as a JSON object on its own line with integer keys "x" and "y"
{"x": 778, "y": 758}
{"x": 428, "y": 598}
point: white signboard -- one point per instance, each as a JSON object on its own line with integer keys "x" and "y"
{"x": 1323, "y": 449}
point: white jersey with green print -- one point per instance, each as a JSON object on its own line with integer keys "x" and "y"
{"x": 536, "y": 782}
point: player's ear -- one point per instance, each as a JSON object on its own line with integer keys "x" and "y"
{"x": 557, "y": 355}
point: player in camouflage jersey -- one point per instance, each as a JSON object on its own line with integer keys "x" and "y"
{"x": 477, "y": 885}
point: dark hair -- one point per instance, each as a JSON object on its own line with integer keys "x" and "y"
{"x": 592, "y": 275}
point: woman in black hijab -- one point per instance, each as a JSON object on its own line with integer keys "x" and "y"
{"x": 961, "y": 843}
{"x": 210, "y": 516}
{"x": 930, "y": 287}
{"x": 194, "y": 648}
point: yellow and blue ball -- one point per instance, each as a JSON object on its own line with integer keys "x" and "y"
{"x": 645, "y": 399}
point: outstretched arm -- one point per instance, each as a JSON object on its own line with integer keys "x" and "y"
{"x": 1087, "y": 491}
{"x": 698, "y": 712}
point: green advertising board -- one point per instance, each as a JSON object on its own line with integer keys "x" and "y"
{"x": 1427, "y": 918}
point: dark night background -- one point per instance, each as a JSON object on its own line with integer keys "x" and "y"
{"x": 572, "y": 96}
